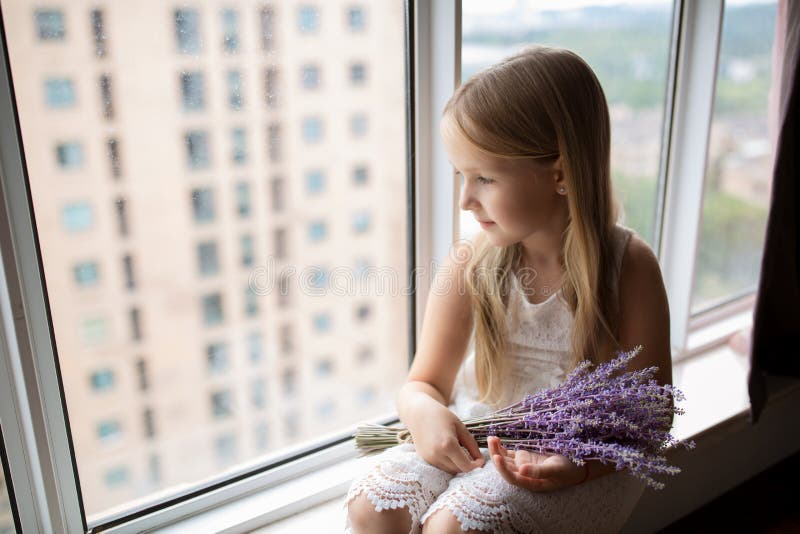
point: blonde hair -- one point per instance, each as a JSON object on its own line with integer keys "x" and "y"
{"x": 543, "y": 103}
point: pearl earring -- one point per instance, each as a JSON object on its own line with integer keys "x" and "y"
{"x": 561, "y": 190}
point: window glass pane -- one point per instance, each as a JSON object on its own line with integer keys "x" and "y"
{"x": 6, "y": 514}
{"x": 177, "y": 217}
{"x": 739, "y": 167}
{"x": 626, "y": 44}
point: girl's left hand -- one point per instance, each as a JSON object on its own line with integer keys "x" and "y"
{"x": 534, "y": 471}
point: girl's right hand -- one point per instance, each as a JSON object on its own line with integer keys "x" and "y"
{"x": 439, "y": 436}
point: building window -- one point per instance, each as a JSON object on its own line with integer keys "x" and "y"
{"x": 307, "y": 19}
{"x": 77, "y": 217}
{"x": 316, "y": 231}
{"x": 323, "y": 368}
{"x": 108, "y": 430}
{"x": 258, "y": 393}
{"x": 221, "y": 404}
{"x": 261, "y": 436}
{"x": 281, "y": 246}
{"x": 187, "y": 31}
{"x": 322, "y": 322}
{"x": 312, "y": 130}
{"x": 315, "y": 182}
{"x": 217, "y": 358}
{"x": 127, "y": 267}
{"x": 70, "y": 155}
{"x": 360, "y": 176}
{"x": 59, "y": 93}
{"x": 271, "y": 87}
{"x": 250, "y": 302}
{"x": 136, "y": 324}
{"x": 235, "y": 89}
{"x": 142, "y": 377}
{"x": 289, "y": 382}
{"x": 239, "y": 145}
{"x": 319, "y": 278}
{"x": 50, "y": 25}
{"x": 212, "y": 309}
{"x": 365, "y": 354}
{"x": 358, "y": 125}
{"x": 326, "y": 409}
{"x": 149, "y": 423}
{"x": 105, "y": 96}
{"x": 283, "y": 290}
{"x": 230, "y": 31}
{"x": 112, "y": 147}
{"x": 94, "y": 330}
{"x": 277, "y": 194}
{"x": 274, "y": 142}
{"x": 248, "y": 254}
{"x": 286, "y": 338}
{"x": 309, "y": 76}
{"x": 267, "y": 28}
{"x": 203, "y": 205}
{"x": 243, "y": 199}
{"x": 154, "y": 468}
{"x": 98, "y": 29}
{"x": 102, "y": 380}
{"x": 197, "y": 149}
{"x": 116, "y": 477}
{"x": 192, "y": 91}
{"x": 361, "y": 222}
{"x": 225, "y": 448}
{"x": 363, "y": 312}
{"x": 355, "y": 19}
{"x": 122, "y": 216}
{"x": 358, "y": 74}
{"x": 86, "y": 274}
{"x": 207, "y": 258}
{"x": 255, "y": 349}
{"x": 365, "y": 396}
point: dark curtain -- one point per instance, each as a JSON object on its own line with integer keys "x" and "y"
{"x": 775, "y": 345}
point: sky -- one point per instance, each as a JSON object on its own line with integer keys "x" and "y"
{"x": 502, "y": 6}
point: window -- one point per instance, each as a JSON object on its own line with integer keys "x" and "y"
{"x": 70, "y": 155}
{"x": 230, "y": 31}
{"x": 323, "y": 368}
{"x": 261, "y": 437}
{"x": 326, "y": 409}
{"x": 319, "y": 277}
{"x": 192, "y": 91}
{"x": 250, "y": 302}
{"x": 122, "y": 216}
{"x": 363, "y": 312}
{"x": 142, "y": 379}
{"x": 358, "y": 74}
{"x": 98, "y": 29}
{"x": 221, "y": 404}
{"x": 154, "y": 468}
{"x": 77, "y": 217}
{"x": 136, "y": 324}
{"x": 102, "y": 380}
{"x": 59, "y": 93}
{"x": 243, "y": 199}
{"x": 360, "y": 176}
{"x": 108, "y": 430}
{"x": 281, "y": 246}
{"x": 365, "y": 396}
{"x": 117, "y": 476}
{"x": 217, "y": 356}
{"x": 365, "y": 354}
{"x": 277, "y": 194}
{"x": 149, "y": 424}
{"x": 212, "y": 309}
{"x": 239, "y": 144}
{"x": 225, "y": 448}
{"x": 309, "y": 76}
{"x": 127, "y": 268}
{"x": 287, "y": 339}
{"x": 187, "y": 31}
{"x": 255, "y": 349}
{"x": 312, "y": 130}
{"x": 112, "y": 148}
{"x": 315, "y": 181}
{"x": 50, "y": 25}
{"x": 361, "y": 222}
{"x": 258, "y": 393}
{"x": 322, "y": 322}
{"x": 203, "y": 205}
{"x": 355, "y": 19}
{"x": 248, "y": 254}
{"x": 288, "y": 380}
{"x": 105, "y": 96}
{"x": 271, "y": 87}
{"x": 197, "y": 150}
{"x": 316, "y": 231}
{"x": 307, "y": 19}
{"x": 267, "y": 29}
{"x": 358, "y": 125}
{"x": 235, "y": 89}
{"x": 86, "y": 274}
{"x": 283, "y": 291}
{"x": 207, "y": 259}
{"x": 274, "y": 142}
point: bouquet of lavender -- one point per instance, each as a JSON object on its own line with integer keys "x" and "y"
{"x": 623, "y": 419}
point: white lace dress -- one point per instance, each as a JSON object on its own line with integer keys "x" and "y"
{"x": 481, "y": 499}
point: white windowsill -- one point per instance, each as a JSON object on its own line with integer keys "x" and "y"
{"x": 314, "y": 502}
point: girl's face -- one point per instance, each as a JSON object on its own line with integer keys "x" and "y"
{"x": 520, "y": 197}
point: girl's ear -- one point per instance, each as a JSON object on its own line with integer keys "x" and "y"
{"x": 558, "y": 174}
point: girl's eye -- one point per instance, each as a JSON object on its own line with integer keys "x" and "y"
{"x": 483, "y": 180}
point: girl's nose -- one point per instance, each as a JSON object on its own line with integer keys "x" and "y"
{"x": 466, "y": 200}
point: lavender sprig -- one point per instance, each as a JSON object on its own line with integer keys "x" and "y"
{"x": 594, "y": 414}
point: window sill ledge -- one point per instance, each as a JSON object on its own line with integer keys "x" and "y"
{"x": 714, "y": 410}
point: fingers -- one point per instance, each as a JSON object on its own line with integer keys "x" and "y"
{"x": 468, "y": 441}
{"x": 457, "y": 455}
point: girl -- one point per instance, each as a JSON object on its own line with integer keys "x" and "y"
{"x": 551, "y": 279}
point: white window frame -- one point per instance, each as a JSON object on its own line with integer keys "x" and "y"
{"x": 32, "y": 406}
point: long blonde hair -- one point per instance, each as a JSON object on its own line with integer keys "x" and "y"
{"x": 544, "y": 103}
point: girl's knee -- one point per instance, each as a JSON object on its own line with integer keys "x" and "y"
{"x": 443, "y": 521}
{"x": 364, "y": 518}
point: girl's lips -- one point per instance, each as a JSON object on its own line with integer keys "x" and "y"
{"x": 484, "y": 224}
